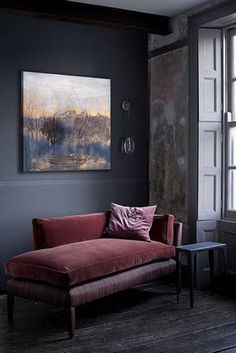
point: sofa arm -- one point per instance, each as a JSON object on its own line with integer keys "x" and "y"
{"x": 178, "y": 231}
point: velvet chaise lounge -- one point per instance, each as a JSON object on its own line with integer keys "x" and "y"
{"x": 74, "y": 263}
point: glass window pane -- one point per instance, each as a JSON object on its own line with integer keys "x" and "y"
{"x": 232, "y": 190}
{"x": 233, "y": 101}
{"x": 232, "y": 146}
{"x": 233, "y": 57}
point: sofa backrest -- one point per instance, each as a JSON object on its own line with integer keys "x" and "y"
{"x": 163, "y": 228}
{"x": 54, "y": 231}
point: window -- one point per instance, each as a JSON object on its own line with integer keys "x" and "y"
{"x": 230, "y": 126}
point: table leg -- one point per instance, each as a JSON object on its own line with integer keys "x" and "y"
{"x": 224, "y": 251}
{"x": 211, "y": 263}
{"x": 195, "y": 270}
{"x": 178, "y": 273}
{"x": 224, "y": 258}
{"x": 191, "y": 275}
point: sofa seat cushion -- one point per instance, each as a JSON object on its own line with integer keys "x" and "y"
{"x": 80, "y": 262}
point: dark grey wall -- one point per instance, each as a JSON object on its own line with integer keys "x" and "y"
{"x": 56, "y": 47}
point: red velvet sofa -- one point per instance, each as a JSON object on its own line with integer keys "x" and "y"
{"x": 74, "y": 262}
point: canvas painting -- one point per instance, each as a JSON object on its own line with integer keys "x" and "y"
{"x": 66, "y": 122}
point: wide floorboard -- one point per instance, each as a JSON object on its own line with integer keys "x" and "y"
{"x": 144, "y": 319}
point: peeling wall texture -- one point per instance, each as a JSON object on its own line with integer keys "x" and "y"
{"x": 168, "y": 132}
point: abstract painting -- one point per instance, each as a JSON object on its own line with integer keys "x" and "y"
{"x": 66, "y": 122}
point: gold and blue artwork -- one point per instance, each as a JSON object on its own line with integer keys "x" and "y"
{"x": 66, "y": 122}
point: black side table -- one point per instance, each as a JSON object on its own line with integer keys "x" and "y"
{"x": 191, "y": 251}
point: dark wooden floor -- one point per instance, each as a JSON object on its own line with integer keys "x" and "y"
{"x": 141, "y": 320}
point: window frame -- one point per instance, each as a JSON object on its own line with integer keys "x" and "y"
{"x": 227, "y": 92}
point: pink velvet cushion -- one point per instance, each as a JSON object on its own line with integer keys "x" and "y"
{"x": 74, "y": 263}
{"x": 130, "y": 222}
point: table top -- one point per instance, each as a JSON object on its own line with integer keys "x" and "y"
{"x": 206, "y": 245}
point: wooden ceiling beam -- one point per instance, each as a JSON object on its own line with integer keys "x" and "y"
{"x": 89, "y": 14}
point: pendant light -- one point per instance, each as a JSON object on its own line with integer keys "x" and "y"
{"x": 128, "y": 144}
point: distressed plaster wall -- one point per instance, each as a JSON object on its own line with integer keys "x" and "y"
{"x": 168, "y": 156}
{"x": 168, "y": 132}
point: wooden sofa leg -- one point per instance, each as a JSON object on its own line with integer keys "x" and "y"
{"x": 10, "y": 308}
{"x": 71, "y": 321}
